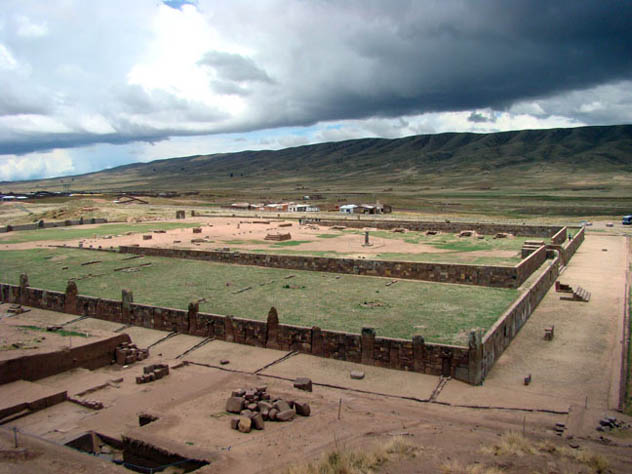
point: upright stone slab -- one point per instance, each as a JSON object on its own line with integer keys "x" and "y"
{"x": 192, "y": 314}
{"x": 127, "y": 298}
{"x": 70, "y": 299}
{"x": 475, "y": 355}
{"x": 24, "y": 289}
{"x": 317, "y": 341}
{"x": 272, "y": 329}
{"x": 180, "y": 215}
{"x": 229, "y": 329}
{"x": 368, "y": 342}
{"x": 419, "y": 352}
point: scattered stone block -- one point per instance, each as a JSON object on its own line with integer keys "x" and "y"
{"x": 357, "y": 374}
{"x": 244, "y": 425}
{"x": 286, "y": 415}
{"x": 302, "y": 408}
{"x": 197, "y": 230}
{"x": 257, "y": 421}
{"x": 147, "y": 237}
{"x": 224, "y": 361}
{"x": 234, "y": 423}
{"x": 303, "y": 383}
{"x": 234, "y": 404}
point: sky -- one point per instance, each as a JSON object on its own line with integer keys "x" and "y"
{"x": 89, "y": 85}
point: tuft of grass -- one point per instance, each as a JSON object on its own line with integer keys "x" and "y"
{"x": 291, "y": 243}
{"x": 328, "y": 236}
{"x": 347, "y": 461}
{"x": 511, "y": 443}
{"x": 456, "y": 467}
{"x": 61, "y": 332}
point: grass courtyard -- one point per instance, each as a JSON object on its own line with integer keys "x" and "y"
{"x": 83, "y": 232}
{"x": 440, "y": 312}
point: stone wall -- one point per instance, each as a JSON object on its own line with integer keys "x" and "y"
{"x": 47, "y": 225}
{"x": 500, "y": 335}
{"x": 37, "y": 366}
{"x": 569, "y": 247}
{"x": 560, "y": 237}
{"x": 366, "y": 348}
{"x": 449, "y": 227}
{"x": 470, "y": 364}
{"x": 482, "y": 275}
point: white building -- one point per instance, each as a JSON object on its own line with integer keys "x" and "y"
{"x": 348, "y": 208}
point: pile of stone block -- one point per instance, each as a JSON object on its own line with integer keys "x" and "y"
{"x": 610, "y": 423}
{"x": 128, "y": 353}
{"x": 153, "y": 372}
{"x": 256, "y": 406}
{"x": 91, "y": 404}
{"x": 278, "y": 237}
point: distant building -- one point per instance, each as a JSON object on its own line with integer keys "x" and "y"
{"x": 302, "y": 208}
{"x": 348, "y": 208}
{"x": 242, "y": 206}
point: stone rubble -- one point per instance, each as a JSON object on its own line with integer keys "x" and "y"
{"x": 153, "y": 372}
{"x": 256, "y": 406}
{"x": 128, "y": 353}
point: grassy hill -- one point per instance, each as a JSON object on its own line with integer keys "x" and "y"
{"x": 557, "y": 165}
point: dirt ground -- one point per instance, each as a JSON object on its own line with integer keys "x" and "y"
{"x": 449, "y": 422}
{"x": 249, "y": 234}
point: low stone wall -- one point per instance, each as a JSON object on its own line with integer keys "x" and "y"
{"x": 449, "y": 227}
{"x": 37, "y": 366}
{"x": 366, "y": 348}
{"x": 482, "y": 275}
{"x": 560, "y": 237}
{"x": 47, "y": 225}
{"x": 500, "y": 335}
{"x": 568, "y": 249}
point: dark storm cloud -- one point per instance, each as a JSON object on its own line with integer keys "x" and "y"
{"x": 450, "y": 56}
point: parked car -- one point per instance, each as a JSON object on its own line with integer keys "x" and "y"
{"x": 627, "y": 220}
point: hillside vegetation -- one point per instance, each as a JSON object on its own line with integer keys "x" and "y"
{"x": 566, "y": 168}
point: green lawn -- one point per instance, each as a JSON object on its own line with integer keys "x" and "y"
{"x": 80, "y": 232}
{"x": 440, "y": 312}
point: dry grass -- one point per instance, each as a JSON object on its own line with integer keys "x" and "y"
{"x": 515, "y": 444}
{"x": 347, "y": 461}
{"x": 455, "y": 467}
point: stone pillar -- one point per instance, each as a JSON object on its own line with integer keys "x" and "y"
{"x": 366, "y": 238}
{"x": 192, "y": 313}
{"x": 229, "y": 329}
{"x": 475, "y": 355}
{"x": 368, "y": 342}
{"x": 70, "y": 299}
{"x": 24, "y": 289}
{"x": 272, "y": 329}
{"x": 127, "y": 298}
{"x": 317, "y": 341}
{"x": 419, "y": 352}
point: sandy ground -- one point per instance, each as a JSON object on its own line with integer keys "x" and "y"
{"x": 581, "y": 361}
{"x": 225, "y": 232}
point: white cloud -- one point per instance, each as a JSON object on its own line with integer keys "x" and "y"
{"x": 35, "y": 165}
{"x": 7, "y": 61}
{"x": 28, "y": 29}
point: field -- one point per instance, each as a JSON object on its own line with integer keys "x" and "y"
{"x": 440, "y": 312}
{"x": 84, "y": 232}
